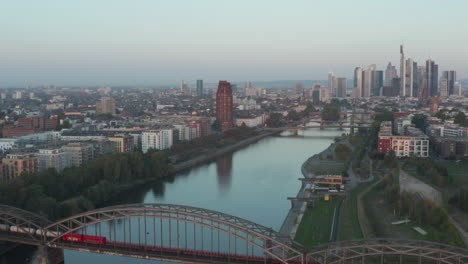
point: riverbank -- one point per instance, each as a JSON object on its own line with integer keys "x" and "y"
{"x": 187, "y": 165}
{"x": 298, "y": 208}
{"x": 213, "y": 155}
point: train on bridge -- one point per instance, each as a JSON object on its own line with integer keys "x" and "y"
{"x": 97, "y": 240}
{"x": 100, "y": 240}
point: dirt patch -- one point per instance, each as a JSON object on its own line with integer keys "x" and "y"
{"x": 411, "y": 184}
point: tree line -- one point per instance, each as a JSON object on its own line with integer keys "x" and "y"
{"x": 77, "y": 189}
{"x": 429, "y": 170}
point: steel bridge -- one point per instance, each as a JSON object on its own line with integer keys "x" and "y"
{"x": 188, "y": 234}
{"x": 322, "y": 124}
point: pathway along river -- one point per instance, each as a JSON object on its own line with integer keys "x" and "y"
{"x": 252, "y": 183}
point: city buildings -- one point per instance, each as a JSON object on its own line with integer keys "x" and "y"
{"x": 157, "y": 139}
{"x": 54, "y": 158}
{"x": 123, "y": 143}
{"x": 412, "y": 143}
{"x": 81, "y": 153}
{"x": 16, "y": 164}
{"x": 32, "y": 125}
{"x": 105, "y": 105}
{"x": 224, "y": 106}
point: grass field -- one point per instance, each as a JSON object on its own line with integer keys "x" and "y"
{"x": 349, "y": 227}
{"x": 316, "y": 224}
{"x": 458, "y": 171}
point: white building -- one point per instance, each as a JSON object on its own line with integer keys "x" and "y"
{"x": 156, "y": 139}
{"x": 443, "y": 87}
{"x": 6, "y": 144}
{"x": 251, "y": 121}
{"x": 54, "y": 158}
{"x": 406, "y": 146}
{"x": 401, "y": 123}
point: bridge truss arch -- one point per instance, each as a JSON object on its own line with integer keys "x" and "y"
{"x": 379, "y": 248}
{"x": 23, "y": 220}
{"x": 272, "y": 243}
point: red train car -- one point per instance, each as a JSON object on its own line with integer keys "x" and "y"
{"x": 97, "y": 240}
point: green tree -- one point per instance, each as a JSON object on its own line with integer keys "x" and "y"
{"x": 342, "y": 151}
{"x": 274, "y": 120}
{"x": 331, "y": 111}
{"x": 419, "y": 120}
{"x": 293, "y": 115}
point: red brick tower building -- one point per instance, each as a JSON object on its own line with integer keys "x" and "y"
{"x": 224, "y": 105}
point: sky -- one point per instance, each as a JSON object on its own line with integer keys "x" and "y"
{"x": 156, "y": 42}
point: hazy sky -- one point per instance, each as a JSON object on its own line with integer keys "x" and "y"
{"x": 109, "y": 42}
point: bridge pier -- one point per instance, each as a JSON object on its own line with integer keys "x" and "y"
{"x": 46, "y": 255}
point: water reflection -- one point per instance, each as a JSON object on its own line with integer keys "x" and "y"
{"x": 224, "y": 171}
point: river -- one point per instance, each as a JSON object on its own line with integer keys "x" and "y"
{"x": 252, "y": 183}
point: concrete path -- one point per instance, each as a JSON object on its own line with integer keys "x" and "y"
{"x": 460, "y": 229}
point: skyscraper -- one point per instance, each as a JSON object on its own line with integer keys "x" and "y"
{"x": 184, "y": 90}
{"x": 415, "y": 92}
{"x": 408, "y": 78}
{"x": 341, "y": 87}
{"x": 224, "y": 105}
{"x": 200, "y": 88}
{"x": 432, "y": 78}
{"x": 443, "y": 85}
{"x": 421, "y": 80}
{"x": 377, "y": 83}
{"x": 451, "y": 77}
{"x": 368, "y": 81}
{"x": 358, "y": 82}
{"x": 402, "y": 72}
{"x": 332, "y": 83}
{"x": 390, "y": 73}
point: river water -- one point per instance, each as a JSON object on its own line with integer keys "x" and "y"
{"x": 251, "y": 183}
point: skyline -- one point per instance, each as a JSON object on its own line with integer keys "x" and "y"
{"x": 160, "y": 43}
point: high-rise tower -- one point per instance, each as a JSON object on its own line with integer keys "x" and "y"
{"x": 432, "y": 78}
{"x": 402, "y": 72}
{"x": 224, "y": 105}
{"x": 451, "y": 77}
{"x": 390, "y": 73}
{"x": 358, "y": 82}
{"x": 200, "y": 88}
{"x": 341, "y": 87}
{"x": 332, "y": 83}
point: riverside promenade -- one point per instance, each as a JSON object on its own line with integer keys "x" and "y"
{"x": 295, "y": 214}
